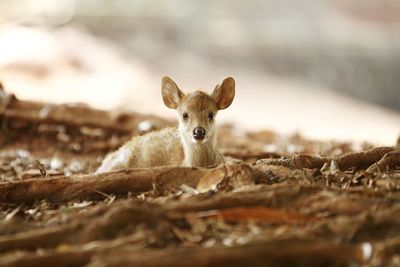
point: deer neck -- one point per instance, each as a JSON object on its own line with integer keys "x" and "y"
{"x": 201, "y": 155}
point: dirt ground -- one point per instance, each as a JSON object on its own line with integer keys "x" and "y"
{"x": 279, "y": 201}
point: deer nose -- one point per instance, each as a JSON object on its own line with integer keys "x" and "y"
{"x": 199, "y": 133}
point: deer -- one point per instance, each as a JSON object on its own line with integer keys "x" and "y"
{"x": 192, "y": 143}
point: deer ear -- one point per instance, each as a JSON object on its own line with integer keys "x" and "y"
{"x": 224, "y": 93}
{"x": 170, "y": 93}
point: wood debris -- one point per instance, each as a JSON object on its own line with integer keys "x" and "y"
{"x": 277, "y": 201}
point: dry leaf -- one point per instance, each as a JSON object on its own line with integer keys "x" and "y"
{"x": 211, "y": 180}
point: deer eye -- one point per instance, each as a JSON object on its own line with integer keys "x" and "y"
{"x": 211, "y": 116}
{"x": 185, "y": 116}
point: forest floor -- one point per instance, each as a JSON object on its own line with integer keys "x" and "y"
{"x": 280, "y": 201}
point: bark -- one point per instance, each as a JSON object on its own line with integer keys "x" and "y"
{"x": 268, "y": 196}
{"x": 357, "y": 161}
{"x": 13, "y": 109}
{"x": 391, "y": 161}
{"x": 107, "y": 222}
{"x": 103, "y": 223}
{"x": 81, "y": 230}
{"x": 91, "y": 186}
{"x": 135, "y": 181}
{"x": 362, "y": 160}
{"x": 251, "y": 155}
{"x": 274, "y": 253}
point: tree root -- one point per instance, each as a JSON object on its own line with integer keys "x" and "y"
{"x": 362, "y": 160}
{"x": 251, "y": 155}
{"x": 268, "y": 196}
{"x": 130, "y": 223}
{"x": 267, "y": 253}
{"x": 391, "y": 161}
{"x": 94, "y": 186}
{"x": 82, "y": 230}
{"x": 135, "y": 181}
{"x": 356, "y": 161}
{"x": 104, "y": 222}
{"x": 13, "y": 109}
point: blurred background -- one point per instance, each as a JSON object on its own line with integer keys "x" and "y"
{"x": 328, "y": 69}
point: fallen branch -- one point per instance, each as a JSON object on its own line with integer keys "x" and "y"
{"x": 43, "y": 238}
{"x": 391, "y": 161}
{"x": 103, "y": 223}
{"x": 357, "y": 161}
{"x": 72, "y": 255}
{"x": 83, "y": 229}
{"x": 267, "y": 253}
{"x": 251, "y": 155}
{"x": 298, "y": 162}
{"x": 362, "y": 160}
{"x": 47, "y": 258}
{"x": 13, "y": 109}
{"x": 80, "y": 187}
{"x": 268, "y": 196}
{"x": 135, "y": 181}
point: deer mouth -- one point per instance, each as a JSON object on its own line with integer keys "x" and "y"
{"x": 200, "y": 141}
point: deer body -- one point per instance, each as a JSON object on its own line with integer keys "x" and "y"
{"x": 192, "y": 143}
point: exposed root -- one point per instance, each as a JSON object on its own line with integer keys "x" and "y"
{"x": 391, "y": 161}
{"x": 362, "y": 160}
{"x": 273, "y": 253}
{"x": 269, "y": 196}
{"x": 82, "y": 230}
{"x": 252, "y": 155}
{"x": 279, "y": 212}
{"x": 87, "y": 186}
{"x": 70, "y": 115}
{"x": 355, "y": 161}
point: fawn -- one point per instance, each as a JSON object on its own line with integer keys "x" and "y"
{"x": 193, "y": 143}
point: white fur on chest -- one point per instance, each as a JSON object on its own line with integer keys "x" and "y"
{"x": 123, "y": 156}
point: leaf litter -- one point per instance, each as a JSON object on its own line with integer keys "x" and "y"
{"x": 281, "y": 200}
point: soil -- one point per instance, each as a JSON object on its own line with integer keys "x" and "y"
{"x": 278, "y": 201}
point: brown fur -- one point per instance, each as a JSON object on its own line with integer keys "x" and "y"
{"x": 176, "y": 145}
